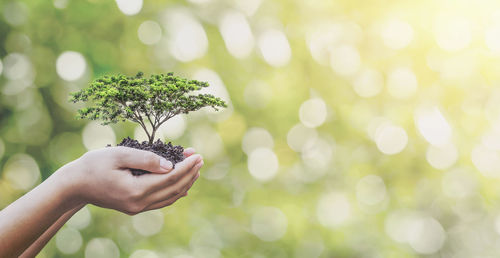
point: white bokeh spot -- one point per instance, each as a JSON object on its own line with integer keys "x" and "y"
{"x": 269, "y": 224}
{"x": 149, "y": 32}
{"x": 148, "y": 223}
{"x": 70, "y": 65}
{"x": 96, "y": 136}
{"x": 256, "y": 137}
{"x": 129, "y": 7}
{"x": 390, "y": 139}
{"x": 101, "y": 248}
{"x": 345, "y": 60}
{"x": 263, "y": 164}
{"x": 313, "y": 112}
{"x": 274, "y": 47}
{"x": 333, "y": 209}
{"x": 452, "y": 33}
{"x": 397, "y": 34}
{"x": 402, "y": 83}
{"x": 69, "y": 240}
{"x": 237, "y": 34}
{"x": 21, "y": 171}
{"x": 433, "y": 126}
{"x": 368, "y": 83}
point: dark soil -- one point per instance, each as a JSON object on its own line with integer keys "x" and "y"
{"x": 168, "y": 151}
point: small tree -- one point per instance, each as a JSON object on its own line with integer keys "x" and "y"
{"x": 143, "y": 100}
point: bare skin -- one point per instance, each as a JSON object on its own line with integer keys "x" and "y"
{"x": 99, "y": 177}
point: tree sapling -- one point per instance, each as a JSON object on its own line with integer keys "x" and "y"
{"x": 150, "y": 102}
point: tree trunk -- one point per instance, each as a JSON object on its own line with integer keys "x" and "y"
{"x": 152, "y": 137}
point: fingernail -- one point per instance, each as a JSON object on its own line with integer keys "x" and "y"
{"x": 165, "y": 164}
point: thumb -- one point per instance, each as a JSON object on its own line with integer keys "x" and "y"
{"x": 139, "y": 159}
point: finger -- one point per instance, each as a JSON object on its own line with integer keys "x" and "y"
{"x": 181, "y": 186}
{"x": 188, "y": 152}
{"x": 155, "y": 182}
{"x": 170, "y": 201}
{"x": 140, "y": 159}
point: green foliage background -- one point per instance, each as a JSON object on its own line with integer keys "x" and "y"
{"x": 434, "y": 200}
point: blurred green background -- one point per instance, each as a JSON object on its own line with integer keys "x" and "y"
{"x": 355, "y": 128}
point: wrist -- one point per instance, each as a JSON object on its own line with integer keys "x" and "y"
{"x": 68, "y": 185}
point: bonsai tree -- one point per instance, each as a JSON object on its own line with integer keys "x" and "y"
{"x": 150, "y": 102}
{"x": 143, "y": 100}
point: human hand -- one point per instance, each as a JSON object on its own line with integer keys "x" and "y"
{"x": 102, "y": 177}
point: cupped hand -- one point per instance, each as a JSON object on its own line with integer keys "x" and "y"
{"x": 102, "y": 177}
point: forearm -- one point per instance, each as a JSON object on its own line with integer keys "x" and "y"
{"x": 25, "y": 220}
{"x": 38, "y": 245}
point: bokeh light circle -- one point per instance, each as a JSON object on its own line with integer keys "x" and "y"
{"x": 148, "y": 223}
{"x": 69, "y": 240}
{"x": 486, "y": 160}
{"x": 187, "y": 39}
{"x": 442, "y": 157}
{"x": 206, "y": 141}
{"x": 333, "y": 209}
{"x": 492, "y": 38}
{"x": 299, "y": 135}
{"x": 312, "y": 112}
{"x": 257, "y": 94}
{"x": 452, "y": 33}
{"x": 402, "y": 82}
{"x": 370, "y": 190}
{"x": 317, "y": 153}
{"x": 433, "y": 126}
{"x": 21, "y": 171}
{"x": 17, "y": 66}
{"x": 101, "y": 248}
{"x": 274, "y": 47}
{"x": 237, "y": 34}
{"x": 173, "y": 128}
{"x": 142, "y": 253}
{"x": 216, "y": 88}
{"x": 263, "y": 164}
{"x": 458, "y": 183}
{"x": 269, "y": 223}
{"x": 345, "y": 60}
{"x": 248, "y": 7}
{"x": 60, "y": 4}
{"x": 390, "y": 139}
{"x": 368, "y": 83}
{"x": 398, "y": 223}
{"x": 427, "y": 236}
{"x": 70, "y": 65}
{"x": 15, "y": 13}
{"x": 149, "y": 32}
{"x": 81, "y": 219}
{"x": 397, "y": 34}
{"x": 256, "y": 137}
{"x": 129, "y": 7}
{"x": 96, "y": 136}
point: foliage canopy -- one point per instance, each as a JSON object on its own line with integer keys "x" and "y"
{"x": 152, "y": 100}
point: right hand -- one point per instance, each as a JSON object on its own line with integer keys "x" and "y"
{"x": 102, "y": 177}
